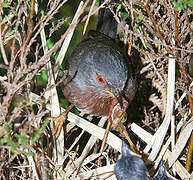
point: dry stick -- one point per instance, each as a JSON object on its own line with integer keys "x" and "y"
{"x": 132, "y": 146}
{"x": 34, "y": 68}
{"x": 48, "y": 16}
{"x": 190, "y": 148}
{"x": 94, "y": 11}
{"x": 189, "y": 154}
{"x": 52, "y": 95}
{"x": 95, "y": 130}
{"x": 71, "y": 163}
{"x": 51, "y": 162}
{"x": 30, "y": 25}
{"x": 154, "y": 143}
{"x": 110, "y": 122}
{"x": 47, "y": 157}
{"x": 67, "y": 40}
{"x": 177, "y": 29}
{"x": 132, "y": 25}
{"x": 182, "y": 70}
{"x": 31, "y": 12}
{"x": 51, "y": 13}
{"x": 15, "y": 55}
{"x": 45, "y": 58}
{"x": 106, "y": 135}
{"x": 2, "y": 47}
{"x": 88, "y": 18}
{"x": 35, "y": 174}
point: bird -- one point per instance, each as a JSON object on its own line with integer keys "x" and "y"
{"x": 162, "y": 173}
{"x": 130, "y": 166}
{"x": 98, "y": 72}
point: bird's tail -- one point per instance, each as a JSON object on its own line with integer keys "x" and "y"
{"x": 106, "y": 21}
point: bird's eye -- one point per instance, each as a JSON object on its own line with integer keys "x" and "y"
{"x": 101, "y": 79}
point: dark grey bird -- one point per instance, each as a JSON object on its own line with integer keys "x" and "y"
{"x": 98, "y": 72}
{"x": 130, "y": 166}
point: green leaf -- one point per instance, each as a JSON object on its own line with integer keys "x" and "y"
{"x": 12, "y": 144}
{"x": 7, "y": 129}
{"x": 191, "y": 3}
{"x": 50, "y": 44}
{"x": 4, "y": 141}
{"x": 13, "y": 150}
{"x": 124, "y": 15}
{"x": 140, "y": 18}
{"x": 119, "y": 7}
{"x": 42, "y": 13}
{"x": 44, "y": 76}
{"x": 135, "y": 30}
{"x": 10, "y": 33}
{"x": 38, "y": 133}
{"x": 7, "y": 18}
{"x": 97, "y": 3}
{"x": 6, "y": 4}
{"x": 28, "y": 153}
{"x": 22, "y": 139}
{"x": 182, "y": 4}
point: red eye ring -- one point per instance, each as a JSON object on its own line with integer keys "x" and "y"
{"x": 101, "y": 79}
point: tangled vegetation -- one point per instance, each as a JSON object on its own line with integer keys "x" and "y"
{"x": 36, "y": 39}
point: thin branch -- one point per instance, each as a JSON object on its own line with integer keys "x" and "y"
{"x": 2, "y": 47}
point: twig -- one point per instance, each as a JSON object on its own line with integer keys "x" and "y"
{"x": 131, "y": 27}
{"x": 89, "y": 14}
{"x": 190, "y": 148}
{"x": 2, "y": 47}
{"x": 30, "y": 26}
{"x": 189, "y": 154}
{"x": 68, "y": 38}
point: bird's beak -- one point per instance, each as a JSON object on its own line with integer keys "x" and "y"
{"x": 116, "y": 94}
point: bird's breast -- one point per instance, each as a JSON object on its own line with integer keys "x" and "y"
{"x": 88, "y": 99}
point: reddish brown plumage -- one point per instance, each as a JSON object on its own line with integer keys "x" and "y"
{"x": 88, "y": 101}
